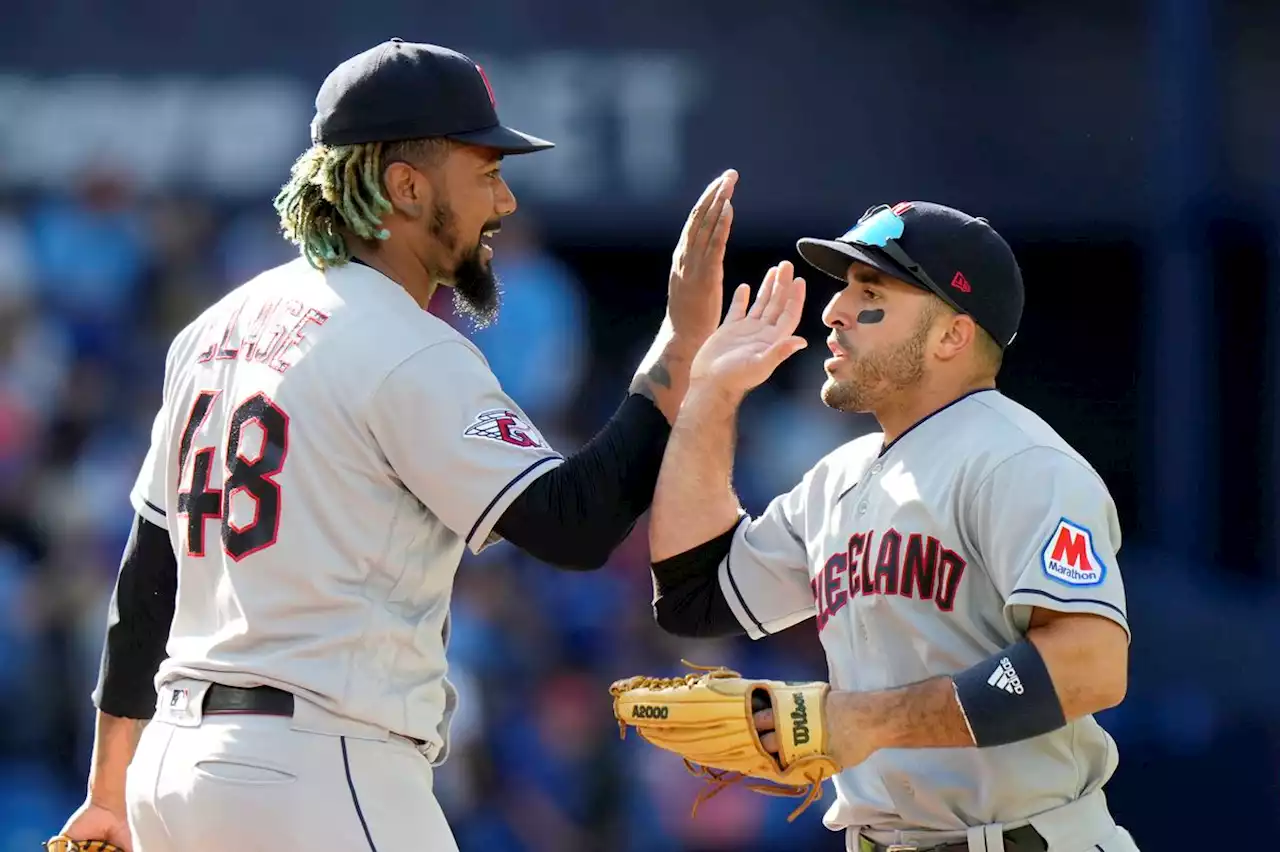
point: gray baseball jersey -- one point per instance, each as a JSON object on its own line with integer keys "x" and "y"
{"x": 324, "y": 453}
{"x": 923, "y": 560}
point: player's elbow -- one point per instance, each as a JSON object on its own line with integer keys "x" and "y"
{"x": 674, "y": 619}
{"x": 696, "y": 615}
{"x": 568, "y": 552}
{"x": 1112, "y": 689}
{"x": 578, "y": 559}
{"x": 1087, "y": 657}
{"x": 1109, "y": 655}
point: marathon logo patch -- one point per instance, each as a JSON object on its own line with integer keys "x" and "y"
{"x": 505, "y": 426}
{"x": 1069, "y": 556}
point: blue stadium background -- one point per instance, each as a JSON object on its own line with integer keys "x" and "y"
{"x": 1130, "y": 151}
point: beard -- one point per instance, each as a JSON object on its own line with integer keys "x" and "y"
{"x": 477, "y": 293}
{"x": 877, "y": 375}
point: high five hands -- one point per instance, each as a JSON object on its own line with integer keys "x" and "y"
{"x": 754, "y": 338}
{"x": 695, "y": 287}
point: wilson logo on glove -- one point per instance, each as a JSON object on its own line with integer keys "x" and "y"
{"x": 799, "y": 721}
{"x": 707, "y": 717}
{"x": 643, "y": 711}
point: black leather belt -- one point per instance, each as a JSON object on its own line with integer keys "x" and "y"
{"x": 262, "y": 700}
{"x": 1023, "y": 839}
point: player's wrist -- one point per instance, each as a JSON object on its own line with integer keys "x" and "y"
{"x": 115, "y": 742}
{"x": 106, "y": 790}
{"x": 1008, "y": 697}
{"x": 114, "y": 804}
{"x": 850, "y": 728}
{"x": 679, "y": 347}
{"x": 710, "y": 395}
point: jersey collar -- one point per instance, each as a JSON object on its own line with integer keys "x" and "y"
{"x": 886, "y": 447}
{"x": 381, "y": 284}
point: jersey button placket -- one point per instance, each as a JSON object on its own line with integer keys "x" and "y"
{"x": 871, "y": 474}
{"x": 863, "y": 506}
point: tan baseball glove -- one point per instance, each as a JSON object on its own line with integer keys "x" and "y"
{"x": 707, "y": 718}
{"x": 62, "y": 843}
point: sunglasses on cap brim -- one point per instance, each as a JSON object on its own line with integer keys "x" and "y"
{"x": 880, "y": 227}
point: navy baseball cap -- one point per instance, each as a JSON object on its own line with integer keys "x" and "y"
{"x": 957, "y": 257}
{"x": 400, "y": 90}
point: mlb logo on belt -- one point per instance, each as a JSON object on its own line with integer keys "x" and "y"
{"x": 1069, "y": 556}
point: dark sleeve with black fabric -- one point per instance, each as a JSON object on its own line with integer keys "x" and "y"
{"x": 138, "y": 623}
{"x": 689, "y": 601}
{"x": 574, "y": 516}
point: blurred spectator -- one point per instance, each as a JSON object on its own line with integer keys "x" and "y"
{"x": 90, "y": 247}
{"x": 538, "y": 346}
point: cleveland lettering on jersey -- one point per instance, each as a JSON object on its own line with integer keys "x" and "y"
{"x": 922, "y": 569}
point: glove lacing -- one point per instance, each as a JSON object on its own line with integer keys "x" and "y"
{"x": 719, "y": 779}
{"x": 690, "y": 679}
{"x": 62, "y": 843}
{"x": 647, "y": 682}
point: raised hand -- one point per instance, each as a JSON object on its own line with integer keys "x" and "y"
{"x": 753, "y": 340}
{"x": 695, "y": 287}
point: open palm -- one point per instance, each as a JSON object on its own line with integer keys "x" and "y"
{"x": 752, "y": 341}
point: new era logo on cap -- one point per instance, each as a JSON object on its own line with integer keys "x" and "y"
{"x": 961, "y": 283}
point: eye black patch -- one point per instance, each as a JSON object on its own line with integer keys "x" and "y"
{"x": 871, "y": 317}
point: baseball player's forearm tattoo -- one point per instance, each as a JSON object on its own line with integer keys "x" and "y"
{"x": 657, "y": 374}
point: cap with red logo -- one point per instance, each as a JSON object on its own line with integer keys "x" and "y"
{"x": 400, "y": 90}
{"x": 959, "y": 258}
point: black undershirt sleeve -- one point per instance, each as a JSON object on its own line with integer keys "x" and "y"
{"x": 574, "y": 516}
{"x": 138, "y": 624}
{"x": 689, "y": 600}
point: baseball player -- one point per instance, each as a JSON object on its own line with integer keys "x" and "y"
{"x": 959, "y": 565}
{"x": 325, "y": 451}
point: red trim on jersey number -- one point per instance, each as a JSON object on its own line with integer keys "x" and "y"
{"x": 254, "y": 475}
{"x": 274, "y": 423}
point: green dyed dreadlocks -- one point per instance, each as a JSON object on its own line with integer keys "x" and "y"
{"x": 337, "y": 190}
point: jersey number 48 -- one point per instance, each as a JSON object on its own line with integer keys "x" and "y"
{"x": 248, "y": 472}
